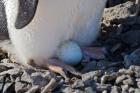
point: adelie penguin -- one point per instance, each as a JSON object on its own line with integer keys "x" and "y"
{"x": 41, "y": 29}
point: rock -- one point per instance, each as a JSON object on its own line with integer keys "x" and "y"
{"x": 131, "y": 90}
{"x": 106, "y": 78}
{"x": 15, "y": 71}
{"x": 4, "y": 68}
{"x": 91, "y": 75}
{"x": 26, "y": 76}
{"x": 132, "y": 59}
{"x": 78, "y": 84}
{"x": 78, "y": 91}
{"x": 136, "y": 70}
{"x": 129, "y": 72}
{"x": 102, "y": 65}
{"x": 120, "y": 11}
{"x": 128, "y": 81}
{"x": 9, "y": 88}
{"x": 34, "y": 89}
{"x": 114, "y": 89}
{"x": 128, "y": 61}
{"x": 22, "y": 87}
{"x": 112, "y": 3}
{"x": 138, "y": 83}
{"x": 125, "y": 88}
{"x": 39, "y": 79}
{"x": 50, "y": 86}
{"x": 90, "y": 90}
{"x": 89, "y": 83}
{"x": 105, "y": 91}
{"x": 103, "y": 87}
{"x": 120, "y": 79}
{"x": 67, "y": 90}
{"x": 90, "y": 66}
{"x": 137, "y": 90}
{"x": 131, "y": 37}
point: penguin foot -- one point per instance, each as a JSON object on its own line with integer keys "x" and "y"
{"x": 58, "y": 67}
{"x": 95, "y": 52}
{"x": 61, "y": 68}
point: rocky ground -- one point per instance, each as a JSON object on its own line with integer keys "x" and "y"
{"x": 118, "y": 72}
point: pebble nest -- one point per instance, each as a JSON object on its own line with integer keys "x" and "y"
{"x": 117, "y": 72}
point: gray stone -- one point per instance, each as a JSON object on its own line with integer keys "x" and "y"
{"x": 132, "y": 59}
{"x": 90, "y": 66}
{"x": 14, "y": 71}
{"x": 128, "y": 81}
{"x": 39, "y": 79}
{"x": 131, "y": 90}
{"x": 4, "y": 68}
{"x": 25, "y": 77}
{"x": 120, "y": 11}
{"x": 131, "y": 37}
{"x": 125, "y": 88}
{"x": 90, "y": 90}
{"x": 120, "y": 79}
{"x": 138, "y": 83}
{"x": 9, "y": 88}
{"x": 67, "y": 90}
{"x": 78, "y": 84}
{"x": 22, "y": 87}
{"x": 34, "y": 89}
{"x": 105, "y": 91}
{"x": 136, "y": 70}
{"x": 102, "y": 87}
{"x": 114, "y": 89}
{"x": 137, "y": 90}
{"x": 91, "y": 75}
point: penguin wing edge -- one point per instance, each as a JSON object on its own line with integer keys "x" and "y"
{"x": 26, "y": 12}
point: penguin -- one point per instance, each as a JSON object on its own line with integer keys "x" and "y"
{"x": 37, "y": 28}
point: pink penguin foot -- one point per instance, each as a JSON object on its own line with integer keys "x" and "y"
{"x": 58, "y": 67}
{"x": 61, "y": 68}
{"x": 95, "y": 52}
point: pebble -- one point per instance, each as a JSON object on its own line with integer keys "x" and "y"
{"x": 8, "y": 87}
{"x": 90, "y": 90}
{"x": 132, "y": 59}
{"x": 125, "y": 88}
{"x": 21, "y": 87}
{"x": 105, "y": 91}
{"x": 131, "y": 37}
{"x": 78, "y": 84}
{"x": 34, "y": 89}
{"x": 90, "y": 66}
{"x": 102, "y": 87}
{"x": 38, "y": 79}
{"x": 120, "y": 79}
{"x": 91, "y": 75}
{"x": 128, "y": 81}
{"x": 131, "y": 90}
{"x": 138, "y": 83}
{"x": 114, "y": 89}
{"x": 137, "y": 90}
{"x": 67, "y": 90}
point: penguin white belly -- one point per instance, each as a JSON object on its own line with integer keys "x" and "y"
{"x": 55, "y": 22}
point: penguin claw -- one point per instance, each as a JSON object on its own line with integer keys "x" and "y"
{"x": 62, "y": 69}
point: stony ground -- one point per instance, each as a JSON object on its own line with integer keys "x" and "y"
{"x": 118, "y": 72}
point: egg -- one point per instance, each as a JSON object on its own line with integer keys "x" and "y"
{"x": 70, "y": 53}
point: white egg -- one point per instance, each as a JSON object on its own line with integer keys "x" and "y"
{"x": 70, "y": 53}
